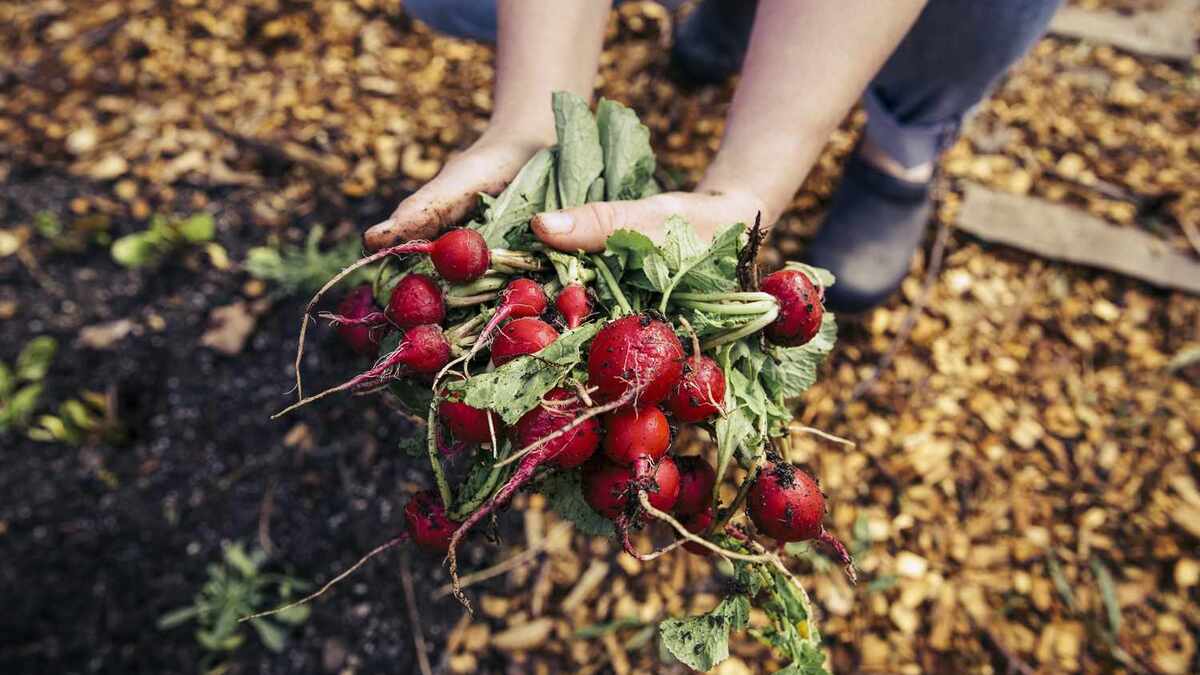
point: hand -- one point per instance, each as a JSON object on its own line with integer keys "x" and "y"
{"x": 707, "y": 210}
{"x": 447, "y": 200}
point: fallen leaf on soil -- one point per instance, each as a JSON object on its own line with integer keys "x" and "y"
{"x": 229, "y": 327}
{"x": 105, "y": 335}
{"x": 9, "y": 243}
{"x": 524, "y": 636}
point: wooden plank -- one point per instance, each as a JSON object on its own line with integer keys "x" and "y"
{"x": 1168, "y": 33}
{"x": 1060, "y": 232}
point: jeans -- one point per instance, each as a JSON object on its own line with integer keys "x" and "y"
{"x": 951, "y": 58}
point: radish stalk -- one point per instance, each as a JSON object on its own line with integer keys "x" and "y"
{"x": 435, "y": 461}
{"x": 742, "y": 331}
{"x": 610, "y": 283}
{"x": 556, "y": 448}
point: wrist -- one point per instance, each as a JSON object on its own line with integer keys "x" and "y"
{"x": 748, "y": 200}
{"x": 512, "y": 132}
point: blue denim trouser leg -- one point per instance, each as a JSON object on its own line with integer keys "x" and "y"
{"x": 470, "y": 19}
{"x": 953, "y": 55}
{"x": 951, "y": 58}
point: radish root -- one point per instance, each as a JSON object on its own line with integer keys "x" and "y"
{"x": 332, "y": 582}
{"x": 416, "y": 246}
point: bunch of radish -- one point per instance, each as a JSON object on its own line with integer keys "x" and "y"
{"x": 528, "y": 364}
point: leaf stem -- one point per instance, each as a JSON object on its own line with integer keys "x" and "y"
{"x": 488, "y": 282}
{"x": 469, "y": 300}
{"x": 611, "y": 283}
{"x": 726, "y": 514}
{"x": 504, "y": 260}
{"x": 730, "y": 308}
{"x": 434, "y": 462}
{"x": 742, "y": 331}
{"x": 745, "y": 296}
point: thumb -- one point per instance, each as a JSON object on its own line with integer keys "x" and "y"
{"x": 451, "y": 196}
{"x": 586, "y": 227}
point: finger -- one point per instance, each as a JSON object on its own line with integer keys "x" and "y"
{"x": 586, "y": 227}
{"x": 446, "y": 200}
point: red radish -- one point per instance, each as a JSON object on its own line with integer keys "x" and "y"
{"x": 422, "y": 351}
{"x": 467, "y": 423}
{"x": 359, "y": 322}
{"x": 460, "y": 256}
{"x": 696, "y": 481}
{"x": 575, "y": 443}
{"x": 800, "y": 308}
{"x": 635, "y": 353}
{"x": 521, "y": 298}
{"x": 428, "y": 525}
{"x": 611, "y": 489}
{"x": 572, "y": 448}
{"x": 574, "y": 304}
{"x": 636, "y": 436}
{"x": 786, "y": 504}
{"x": 697, "y": 523}
{"x": 700, "y": 393}
{"x": 416, "y": 300}
{"x": 521, "y": 337}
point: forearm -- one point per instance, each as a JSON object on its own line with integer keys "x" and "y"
{"x": 543, "y": 47}
{"x": 808, "y": 62}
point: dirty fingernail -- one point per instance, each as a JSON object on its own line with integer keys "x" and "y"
{"x": 556, "y": 223}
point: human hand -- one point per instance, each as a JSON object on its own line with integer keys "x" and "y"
{"x": 447, "y": 200}
{"x": 586, "y": 227}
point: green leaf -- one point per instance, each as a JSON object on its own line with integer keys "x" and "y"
{"x": 732, "y": 430}
{"x": 562, "y": 489}
{"x": 810, "y": 662}
{"x": 518, "y": 386}
{"x": 680, "y": 242}
{"x": 48, "y": 224}
{"x": 177, "y": 617}
{"x": 57, "y": 429}
{"x": 819, "y": 275}
{"x": 22, "y": 405}
{"x": 215, "y": 642}
{"x": 479, "y": 484}
{"x": 413, "y": 395}
{"x": 78, "y": 414}
{"x": 34, "y": 360}
{"x": 595, "y": 191}
{"x": 654, "y": 266}
{"x": 794, "y": 369}
{"x": 197, "y": 229}
{"x": 264, "y": 262}
{"x": 8, "y": 381}
{"x": 553, "y": 201}
{"x": 524, "y": 197}
{"x": 715, "y": 269}
{"x": 272, "y": 636}
{"x": 139, "y": 249}
{"x": 413, "y": 445}
{"x": 701, "y": 642}
{"x": 235, "y": 556}
{"x": 629, "y": 248}
{"x": 628, "y": 157}
{"x": 1108, "y": 593}
{"x": 580, "y": 159}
